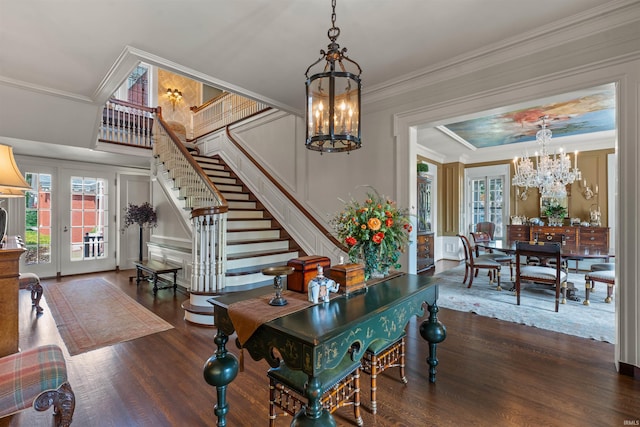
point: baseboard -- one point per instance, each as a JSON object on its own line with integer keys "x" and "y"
{"x": 629, "y": 370}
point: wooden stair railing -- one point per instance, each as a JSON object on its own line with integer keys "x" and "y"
{"x": 207, "y": 205}
{"x": 126, "y": 124}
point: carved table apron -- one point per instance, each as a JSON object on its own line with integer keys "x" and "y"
{"x": 317, "y": 338}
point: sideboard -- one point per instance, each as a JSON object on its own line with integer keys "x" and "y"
{"x": 596, "y": 237}
{"x": 425, "y": 257}
{"x": 9, "y": 270}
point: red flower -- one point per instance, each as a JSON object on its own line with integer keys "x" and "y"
{"x": 350, "y": 241}
{"x": 388, "y": 222}
{"x": 378, "y": 237}
{"x": 388, "y": 214}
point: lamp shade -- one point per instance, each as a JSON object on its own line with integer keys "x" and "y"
{"x": 10, "y": 192}
{"x": 10, "y": 175}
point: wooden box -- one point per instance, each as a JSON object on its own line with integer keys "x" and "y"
{"x": 349, "y": 276}
{"x": 305, "y": 269}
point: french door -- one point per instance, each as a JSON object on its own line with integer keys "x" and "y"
{"x": 487, "y": 197}
{"x": 87, "y": 225}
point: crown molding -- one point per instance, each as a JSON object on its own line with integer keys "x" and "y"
{"x": 596, "y": 20}
{"x": 19, "y": 84}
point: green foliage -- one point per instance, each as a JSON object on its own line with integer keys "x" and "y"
{"x": 423, "y": 167}
{"x": 375, "y": 231}
{"x": 555, "y": 209}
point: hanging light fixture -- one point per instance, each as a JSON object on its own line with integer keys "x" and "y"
{"x": 551, "y": 172}
{"x": 333, "y": 99}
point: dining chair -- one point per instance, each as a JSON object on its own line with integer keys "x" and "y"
{"x": 481, "y": 237}
{"x": 379, "y": 357}
{"x": 340, "y": 387}
{"x": 551, "y": 275}
{"x": 487, "y": 227}
{"x": 600, "y": 272}
{"x": 474, "y": 263}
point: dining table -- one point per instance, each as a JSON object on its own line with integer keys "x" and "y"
{"x": 315, "y": 338}
{"x": 567, "y": 251}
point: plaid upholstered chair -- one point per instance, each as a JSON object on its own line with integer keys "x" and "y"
{"x": 36, "y": 378}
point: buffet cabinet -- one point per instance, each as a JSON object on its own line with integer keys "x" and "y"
{"x": 596, "y": 237}
{"x": 425, "y": 258}
{"x": 9, "y": 271}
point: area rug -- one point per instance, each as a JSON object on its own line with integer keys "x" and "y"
{"x": 595, "y": 321}
{"x": 93, "y": 313}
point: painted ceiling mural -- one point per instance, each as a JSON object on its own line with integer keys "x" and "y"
{"x": 590, "y": 111}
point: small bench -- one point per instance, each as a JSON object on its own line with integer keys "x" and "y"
{"x": 36, "y": 378}
{"x": 154, "y": 268}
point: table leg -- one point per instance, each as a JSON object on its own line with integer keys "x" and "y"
{"x": 433, "y": 331}
{"x": 314, "y": 414}
{"x": 219, "y": 370}
{"x": 138, "y": 271}
{"x": 175, "y": 281}
{"x": 155, "y": 283}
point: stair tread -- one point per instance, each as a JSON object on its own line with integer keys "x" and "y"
{"x": 249, "y": 241}
{"x": 254, "y": 254}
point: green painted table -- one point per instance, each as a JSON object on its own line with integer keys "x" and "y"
{"x": 317, "y": 338}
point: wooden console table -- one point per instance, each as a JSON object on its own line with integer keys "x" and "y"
{"x": 9, "y": 271}
{"x": 318, "y": 337}
{"x": 154, "y": 268}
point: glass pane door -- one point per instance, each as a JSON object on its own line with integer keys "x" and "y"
{"x": 89, "y": 208}
{"x": 487, "y": 202}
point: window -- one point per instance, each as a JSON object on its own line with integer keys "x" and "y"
{"x": 37, "y": 231}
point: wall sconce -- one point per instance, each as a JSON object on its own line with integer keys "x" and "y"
{"x": 174, "y": 96}
{"x": 587, "y": 192}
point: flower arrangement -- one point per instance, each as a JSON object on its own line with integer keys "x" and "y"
{"x": 144, "y": 215}
{"x": 376, "y": 232}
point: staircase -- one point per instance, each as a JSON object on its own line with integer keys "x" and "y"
{"x": 255, "y": 240}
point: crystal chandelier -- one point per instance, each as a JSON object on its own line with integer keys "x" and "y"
{"x": 333, "y": 99}
{"x": 551, "y": 172}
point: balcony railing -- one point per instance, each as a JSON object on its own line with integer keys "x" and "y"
{"x": 224, "y": 110}
{"x": 127, "y": 124}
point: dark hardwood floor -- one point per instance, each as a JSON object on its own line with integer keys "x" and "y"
{"x": 491, "y": 373}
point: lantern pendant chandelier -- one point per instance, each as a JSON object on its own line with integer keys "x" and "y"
{"x": 333, "y": 99}
{"x": 551, "y": 173}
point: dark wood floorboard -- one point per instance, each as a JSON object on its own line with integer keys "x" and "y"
{"x": 491, "y": 373}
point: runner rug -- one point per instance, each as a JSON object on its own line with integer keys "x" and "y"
{"x": 93, "y": 313}
{"x": 537, "y": 304}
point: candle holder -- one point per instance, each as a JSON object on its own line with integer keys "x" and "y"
{"x": 278, "y": 272}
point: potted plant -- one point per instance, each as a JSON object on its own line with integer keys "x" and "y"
{"x": 143, "y": 215}
{"x": 423, "y": 168}
{"x": 556, "y": 213}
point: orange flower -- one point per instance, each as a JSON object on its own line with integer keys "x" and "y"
{"x": 388, "y": 214}
{"x": 378, "y": 237}
{"x": 374, "y": 224}
{"x": 364, "y": 227}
